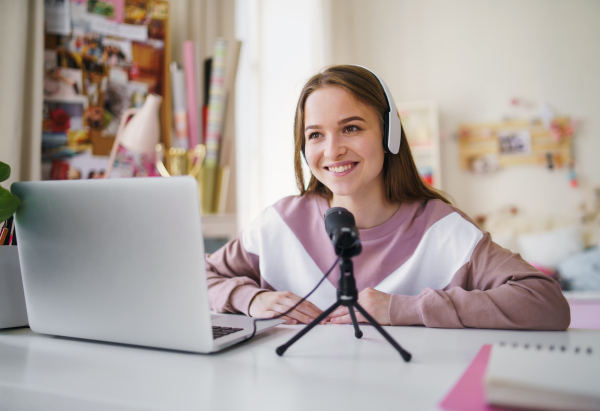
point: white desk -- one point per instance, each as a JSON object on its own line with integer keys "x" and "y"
{"x": 328, "y": 369}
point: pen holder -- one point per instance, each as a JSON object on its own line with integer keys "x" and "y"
{"x": 13, "y": 312}
{"x": 179, "y": 161}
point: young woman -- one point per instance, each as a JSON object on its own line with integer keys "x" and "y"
{"x": 423, "y": 262}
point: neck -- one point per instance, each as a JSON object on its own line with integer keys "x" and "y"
{"x": 367, "y": 213}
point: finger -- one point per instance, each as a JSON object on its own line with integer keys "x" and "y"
{"x": 304, "y": 311}
{"x": 309, "y": 309}
{"x": 347, "y": 319}
{"x": 294, "y": 314}
{"x": 342, "y": 319}
{"x": 275, "y": 314}
{"x": 301, "y": 317}
{"x": 305, "y": 319}
{"x": 305, "y": 307}
{"x": 339, "y": 312}
{"x": 289, "y": 320}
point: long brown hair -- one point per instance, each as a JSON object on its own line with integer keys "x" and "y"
{"x": 402, "y": 181}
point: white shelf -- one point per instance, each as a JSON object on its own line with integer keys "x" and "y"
{"x": 219, "y": 225}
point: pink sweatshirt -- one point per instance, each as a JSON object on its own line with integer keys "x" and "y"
{"x": 439, "y": 267}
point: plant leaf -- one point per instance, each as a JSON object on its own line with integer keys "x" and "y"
{"x": 4, "y": 171}
{"x": 8, "y": 204}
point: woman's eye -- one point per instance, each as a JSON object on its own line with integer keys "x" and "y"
{"x": 350, "y": 129}
{"x": 313, "y": 135}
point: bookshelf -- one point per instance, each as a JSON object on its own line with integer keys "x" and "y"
{"x": 420, "y": 123}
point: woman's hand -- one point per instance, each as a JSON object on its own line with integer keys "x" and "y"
{"x": 269, "y": 304}
{"x": 376, "y": 303}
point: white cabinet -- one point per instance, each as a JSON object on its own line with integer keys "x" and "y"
{"x": 420, "y": 122}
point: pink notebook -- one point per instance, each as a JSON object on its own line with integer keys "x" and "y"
{"x": 468, "y": 394}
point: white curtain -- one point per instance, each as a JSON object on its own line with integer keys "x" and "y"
{"x": 21, "y": 75}
{"x": 284, "y": 43}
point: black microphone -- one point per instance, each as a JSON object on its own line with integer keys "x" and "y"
{"x": 341, "y": 229}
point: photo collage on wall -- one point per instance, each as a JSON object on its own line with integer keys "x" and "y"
{"x": 100, "y": 59}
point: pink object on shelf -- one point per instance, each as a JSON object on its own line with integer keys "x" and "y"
{"x": 189, "y": 67}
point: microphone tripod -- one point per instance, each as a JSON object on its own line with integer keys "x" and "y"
{"x": 347, "y": 295}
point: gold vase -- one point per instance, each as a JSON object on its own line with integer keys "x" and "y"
{"x": 180, "y": 161}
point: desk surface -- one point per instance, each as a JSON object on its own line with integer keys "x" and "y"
{"x": 327, "y": 369}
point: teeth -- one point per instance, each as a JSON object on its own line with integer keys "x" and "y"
{"x": 340, "y": 169}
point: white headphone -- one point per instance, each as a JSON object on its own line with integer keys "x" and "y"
{"x": 392, "y": 129}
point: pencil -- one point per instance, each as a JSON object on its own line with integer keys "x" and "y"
{"x": 3, "y": 235}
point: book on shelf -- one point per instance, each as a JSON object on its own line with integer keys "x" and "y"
{"x": 180, "y": 114}
{"x": 207, "y": 72}
{"x": 222, "y": 83}
{"x": 194, "y": 91}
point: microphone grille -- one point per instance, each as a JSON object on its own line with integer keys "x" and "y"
{"x": 337, "y": 217}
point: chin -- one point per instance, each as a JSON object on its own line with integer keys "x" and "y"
{"x": 337, "y": 192}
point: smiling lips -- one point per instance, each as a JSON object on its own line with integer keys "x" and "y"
{"x": 341, "y": 168}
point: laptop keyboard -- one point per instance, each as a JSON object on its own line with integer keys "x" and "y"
{"x": 223, "y": 331}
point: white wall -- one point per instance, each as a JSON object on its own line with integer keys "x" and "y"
{"x": 472, "y": 57}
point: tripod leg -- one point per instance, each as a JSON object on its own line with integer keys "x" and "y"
{"x": 405, "y": 354}
{"x": 357, "y": 332}
{"x": 282, "y": 348}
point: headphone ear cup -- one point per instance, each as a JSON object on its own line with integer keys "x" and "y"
{"x": 395, "y": 132}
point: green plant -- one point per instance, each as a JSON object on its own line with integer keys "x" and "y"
{"x": 8, "y": 201}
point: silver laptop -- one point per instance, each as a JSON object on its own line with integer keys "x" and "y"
{"x": 120, "y": 260}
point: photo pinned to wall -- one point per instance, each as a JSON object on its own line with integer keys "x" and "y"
{"x": 117, "y": 52}
{"x": 111, "y": 9}
{"x": 138, "y": 12}
{"x": 514, "y": 142}
{"x": 66, "y": 143}
{"x": 60, "y": 81}
{"x": 101, "y": 49}
{"x": 62, "y": 116}
{"x": 82, "y": 165}
{"x": 57, "y": 16}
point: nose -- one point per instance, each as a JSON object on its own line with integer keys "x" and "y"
{"x": 335, "y": 147}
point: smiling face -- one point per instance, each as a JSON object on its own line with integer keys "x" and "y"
{"x": 343, "y": 145}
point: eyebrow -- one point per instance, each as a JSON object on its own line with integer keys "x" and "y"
{"x": 344, "y": 121}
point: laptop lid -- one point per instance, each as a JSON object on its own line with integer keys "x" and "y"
{"x": 118, "y": 260}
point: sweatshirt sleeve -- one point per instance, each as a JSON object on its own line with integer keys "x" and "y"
{"x": 233, "y": 278}
{"x": 494, "y": 289}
